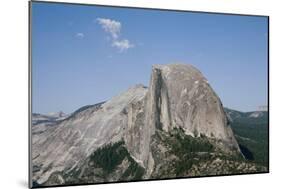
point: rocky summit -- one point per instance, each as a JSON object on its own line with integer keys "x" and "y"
{"x": 173, "y": 128}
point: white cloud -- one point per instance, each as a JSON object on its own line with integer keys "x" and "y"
{"x": 113, "y": 27}
{"x": 80, "y": 35}
{"x": 122, "y": 45}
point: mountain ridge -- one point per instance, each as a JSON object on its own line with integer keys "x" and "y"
{"x": 179, "y": 102}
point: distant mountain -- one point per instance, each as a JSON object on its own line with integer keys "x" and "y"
{"x": 51, "y": 117}
{"x": 59, "y": 114}
{"x": 254, "y": 117}
{"x": 41, "y": 123}
{"x": 174, "y": 128}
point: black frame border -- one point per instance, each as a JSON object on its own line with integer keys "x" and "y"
{"x": 143, "y": 8}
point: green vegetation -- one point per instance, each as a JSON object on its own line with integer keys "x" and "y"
{"x": 108, "y": 157}
{"x": 180, "y": 155}
{"x": 252, "y": 134}
{"x": 112, "y": 155}
{"x": 134, "y": 170}
{"x": 188, "y": 150}
{"x": 254, "y": 139}
{"x": 185, "y": 144}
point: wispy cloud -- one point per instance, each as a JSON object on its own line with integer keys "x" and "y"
{"x": 110, "y": 26}
{"x": 80, "y": 35}
{"x": 122, "y": 45}
{"x": 113, "y": 28}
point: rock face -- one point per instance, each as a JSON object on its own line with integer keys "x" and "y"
{"x": 181, "y": 97}
{"x": 178, "y": 97}
{"x": 71, "y": 141}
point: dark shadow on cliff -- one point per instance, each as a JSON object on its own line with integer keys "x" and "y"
{"x": 246, "y": 152}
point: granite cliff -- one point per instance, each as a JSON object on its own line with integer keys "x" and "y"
{"x": 147, "y": 131}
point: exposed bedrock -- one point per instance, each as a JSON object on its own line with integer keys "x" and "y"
{"x": 178, "y": 96}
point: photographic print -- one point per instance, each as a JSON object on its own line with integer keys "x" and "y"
{"x": 123, "y": 94}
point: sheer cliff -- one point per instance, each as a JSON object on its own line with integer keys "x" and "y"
{"x": 177, "y": 118}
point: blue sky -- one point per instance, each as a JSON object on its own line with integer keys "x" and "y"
{"x": 83, "y": 55}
